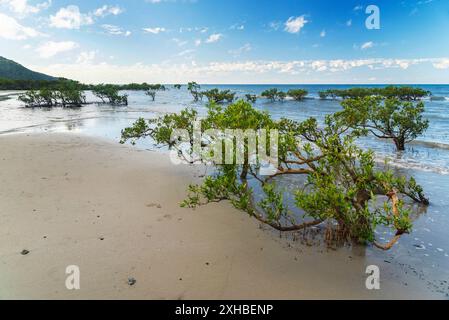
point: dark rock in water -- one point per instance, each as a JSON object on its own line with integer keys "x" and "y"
{"x": 24, "y": 252}
{"x": 131, "y": 281}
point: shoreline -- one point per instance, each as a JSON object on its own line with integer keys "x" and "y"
{"x": 114, "y": 210}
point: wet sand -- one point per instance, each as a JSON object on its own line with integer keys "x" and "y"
{"x": 114, "y": 211}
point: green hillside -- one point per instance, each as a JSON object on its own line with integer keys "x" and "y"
{"x": 14, "y": 71}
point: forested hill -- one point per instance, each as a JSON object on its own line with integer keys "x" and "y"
{"x": 13, "y": 71}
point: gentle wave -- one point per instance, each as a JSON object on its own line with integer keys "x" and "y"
{"x": 430, "y": 144}
{"x": 433, "y": 98}
{"x": 411, "y": 165}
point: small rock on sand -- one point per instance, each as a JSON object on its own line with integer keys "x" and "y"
{"x": 131, "y": 281}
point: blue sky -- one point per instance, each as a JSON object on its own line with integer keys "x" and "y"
{"x": 212, "y": 41}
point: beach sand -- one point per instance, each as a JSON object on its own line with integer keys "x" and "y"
{"x": 114, "y": 211}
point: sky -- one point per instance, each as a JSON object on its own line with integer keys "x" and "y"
{"x": 230, "y": 41}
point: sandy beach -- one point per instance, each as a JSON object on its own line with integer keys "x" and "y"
{"x": 114, "y": 211}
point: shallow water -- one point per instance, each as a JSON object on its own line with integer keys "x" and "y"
{"x": 430, "y": 152}
{"x": 424, "y": 253}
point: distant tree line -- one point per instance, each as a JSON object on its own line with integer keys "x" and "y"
{"x": 274, "y": 94}
{"x": 401, "y": 93}
{"x": 220, "y": 96}
{"x": 8, "y": 84}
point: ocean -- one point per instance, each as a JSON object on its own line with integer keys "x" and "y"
{"x": 429, "y": 152}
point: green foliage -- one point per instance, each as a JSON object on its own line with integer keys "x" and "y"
{"x": 151, "y": 93}
{"x": 404, "y": 93}
{"x": 252, "y": 98}
{"x": 342, "y": 183}
{"x": 153, "y": 88}
{"x": 109, "y": 94}
{"x": 281, "y": 95}
{"x": 67, "y": 94}
{"x": 157, "y": 87}
{"x": 274, "y": 94}
{"x": 401, "y": 93}
{"x": 219, "y": 96}
{"x": 193, "y": 86}
{"x": 8, "y": 84}
{"x": 297, "y": 94}
{"x": 70, "y": 94}
{"x": 401, "y": 121}
{"x": 130, "y": 86}
{"x": 177, "y": 86}
{"x": 33, "y": 98}
{"x": 194, "y": 89}
{"x": 160, "y": 129}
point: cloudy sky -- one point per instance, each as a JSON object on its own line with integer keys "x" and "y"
{"x": 218, "y": 41}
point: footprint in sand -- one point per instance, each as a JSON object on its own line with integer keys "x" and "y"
{"x": 154, "y": 205}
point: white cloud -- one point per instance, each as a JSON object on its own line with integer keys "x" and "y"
{"x": 193, "y": 29}
{"x": 107, "y": 10}
{"x": 214, "y": 38}
{"x": 237, "y": 26}
{"x": 323, "y": 33}
{"x": 70, "y": 18}
{"x": 424, "y": 2}
{"x": 52, "y": 48}
{"x": 22, "y": 7}
{"x": 367, "y": 45}
{"x": 179, "y": 42}
{"x": 306, "y": 71}
{"x": 185, "y": 52}
{"x": 295, "y": 24}
{"x": 441, "y": 64}
{"x": 86, "y": 57}
{"x": 115, "y": 30}
{"x": 198, "y": 42}
{"x": 357, "y": 8}
{"x": 349, "y": 23}
{"x": 319, "y": 65}
{"x": 12, "y": 30}
{"x": 237, "y": 52}
{"x": 155, "y": 30}
{"x": 160, "y": 1}
{"x": 275, "y": 25}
